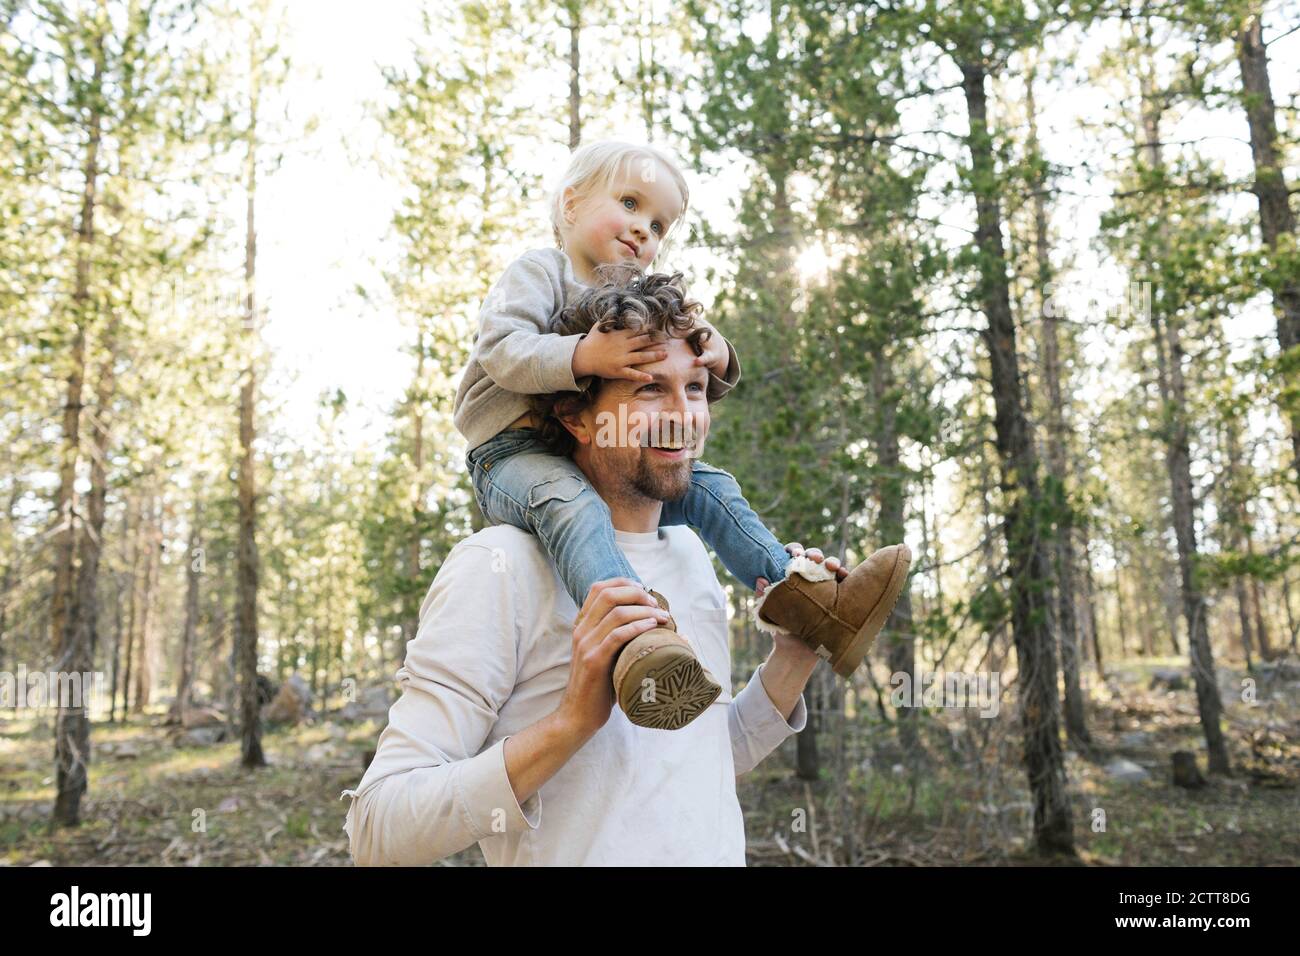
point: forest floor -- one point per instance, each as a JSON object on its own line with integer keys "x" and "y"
{"x": 965, "y": 802}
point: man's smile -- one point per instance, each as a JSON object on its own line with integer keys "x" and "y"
{"x": 671, "y": 454}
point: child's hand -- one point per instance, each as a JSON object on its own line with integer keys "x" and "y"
{"x": 715, "y": 355}
{"x": 794, "y": 549}
{"x": 616, "y": 354}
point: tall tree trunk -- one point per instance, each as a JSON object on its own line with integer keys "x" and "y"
{"x": 992, "y": 569}
{"x": 221, "y": 644}
{"x": 189, "y": 636}
{"x": 1090, "y": 602}
{"x": 574, "y": 27}
{"x": 1276, "y": 219}
{"x": 1291, "y": 624}
{"x": 646, "y": 66}
{"x": 72, "y": 726}
{"x": 782, "y": 244}
{"x": 1243, "y": 611}
{"x": 1261, "y": 629}
{"x": 1058, "y": 465}
{"x": 1121, "y": 617}
{"x": 900, "y": 638}
{"x": 137, "y": 548}
{"x": 152, "y": 539}
{"x": 329, "y": 636}
{"x": 1194, "y": 604}
{"x": 1178, "y": 458}
{"x": 1234, "y": 521}
{"x": 250, "y": 721}
{"x": 12, "y": 572}
{"x": 413, "y": 569}
{"x": 117, "y": 643}
{"x": 807, "y": 759}
{"x": 932, "y": 542}
{"x": 1172, "y": 601}
{"x": 315, "y": 662}
{"x": 1029, "y": 568}
{"x": 117, "y": 646}
{"x": 65, "y": 542}
{"x": 1149, "y": 615}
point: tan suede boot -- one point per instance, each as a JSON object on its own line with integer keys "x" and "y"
{"x": 837, "y": 619}
{"x": 658, "y": 680}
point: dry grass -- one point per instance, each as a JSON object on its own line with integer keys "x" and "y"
{"x": 964, "y": 803}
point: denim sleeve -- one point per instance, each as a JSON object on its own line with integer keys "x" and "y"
{"x": 432, "y": 788}
{"x": 757, "y": 727}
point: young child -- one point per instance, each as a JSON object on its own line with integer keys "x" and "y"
{"x": 616, "y": 204}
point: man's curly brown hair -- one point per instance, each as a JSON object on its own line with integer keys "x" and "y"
{"x": 623, "y": 298}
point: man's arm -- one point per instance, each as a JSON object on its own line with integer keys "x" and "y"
{"x": 429, "y": 791}
{"x": 615, "y": 611}
{"x": 786, "y": 673}
{"x": 770, "y": 707}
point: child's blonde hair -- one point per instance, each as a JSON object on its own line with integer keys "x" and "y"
{"x": 595, "y": 165}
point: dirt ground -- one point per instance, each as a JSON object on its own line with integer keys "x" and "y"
{"x": 964, "y": 801}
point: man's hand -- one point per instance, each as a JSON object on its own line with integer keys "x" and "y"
{"x": 616, "y": 354}
{"x": 615, "y": 611}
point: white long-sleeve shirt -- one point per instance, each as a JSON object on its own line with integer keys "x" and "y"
{"x": 490, "y": 658}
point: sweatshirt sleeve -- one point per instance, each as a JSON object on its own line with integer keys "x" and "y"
{"x": 719, "y": 387}
{"x": 513, "y": 345}
{"x": 432, "y": 789}
{"x": 757, "y": 727}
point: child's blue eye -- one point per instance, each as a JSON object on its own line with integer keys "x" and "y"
{"x": 630, "y": 203}
{"x": 656, "y": 227}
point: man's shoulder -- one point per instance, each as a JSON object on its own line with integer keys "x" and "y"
{"x": 496, "y": 557}
{"x": 514, "y": 552}
{"x": 506, "y": 546}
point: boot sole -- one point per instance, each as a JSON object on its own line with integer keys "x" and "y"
{"x": 683, "y": 689}
{"x": 849, "y": 659}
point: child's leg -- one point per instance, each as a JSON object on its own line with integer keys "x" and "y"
{"x": 517, "y": 482}
{"x": 717, "y": 508}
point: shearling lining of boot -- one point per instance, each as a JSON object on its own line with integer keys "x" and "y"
{"x": 806, "y": 568}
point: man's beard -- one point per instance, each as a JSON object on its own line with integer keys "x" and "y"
{"x": 662, "y": 484}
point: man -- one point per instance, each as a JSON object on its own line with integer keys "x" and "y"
{"x": 507, "y": 702}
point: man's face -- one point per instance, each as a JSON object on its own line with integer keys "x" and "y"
{"x": 640, "y": 431}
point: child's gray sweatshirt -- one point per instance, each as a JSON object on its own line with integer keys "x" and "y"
{"x": 514, "y": 355}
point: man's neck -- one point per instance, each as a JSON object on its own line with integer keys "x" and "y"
{"x": 639, "y": 517}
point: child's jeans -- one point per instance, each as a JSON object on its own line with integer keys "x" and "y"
{"x": 518, "y": 482}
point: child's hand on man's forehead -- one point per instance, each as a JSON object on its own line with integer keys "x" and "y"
{"x": 715, "y": 355}
{"x": 617, "y": 353}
